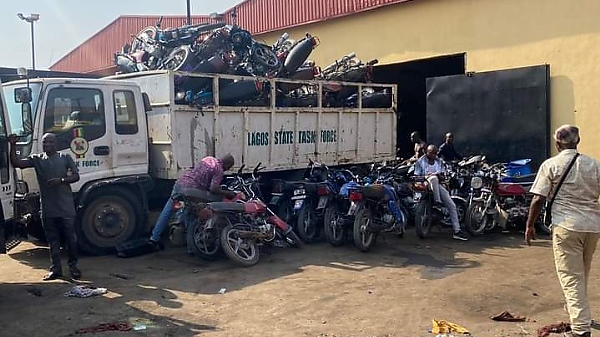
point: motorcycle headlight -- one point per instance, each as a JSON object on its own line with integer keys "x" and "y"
{"x": 476, "y": 182}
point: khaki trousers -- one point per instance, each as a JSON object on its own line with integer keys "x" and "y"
{"x": 573, "y": 253}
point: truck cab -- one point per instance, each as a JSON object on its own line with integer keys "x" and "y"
{"x": 102, "y": 125}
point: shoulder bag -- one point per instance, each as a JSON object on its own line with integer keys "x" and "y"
{"x": 548, "y": 213}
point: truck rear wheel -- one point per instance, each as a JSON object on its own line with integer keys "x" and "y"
{"x": 110, "y": 216}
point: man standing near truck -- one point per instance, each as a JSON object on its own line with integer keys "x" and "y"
{"x": 55, "y": 173}
{"x": 206, "y": 176}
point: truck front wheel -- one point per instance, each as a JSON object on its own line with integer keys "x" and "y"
{"x": 110, "y": 216}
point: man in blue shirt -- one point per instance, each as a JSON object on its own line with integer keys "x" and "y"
{"x": 430, "y": 166}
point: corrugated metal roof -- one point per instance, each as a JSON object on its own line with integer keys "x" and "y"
{"x": 95, "y": 55}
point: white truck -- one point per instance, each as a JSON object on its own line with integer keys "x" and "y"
{"x": 11, "y": 230}
{"x": 127, "y": 135}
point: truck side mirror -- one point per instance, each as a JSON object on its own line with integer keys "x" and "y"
{"x": 147, "y": 104}
{"x": 3, "y": 152}
{"x": 27, "y": 118}
{"x": 22, "y": 95}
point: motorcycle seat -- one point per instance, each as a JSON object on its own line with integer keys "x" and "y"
{"x": 195, "y": 194}
{"x": 220, "y": 206}
{"x": 375, "y": 191}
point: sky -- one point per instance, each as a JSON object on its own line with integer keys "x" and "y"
{"x": 65, "y": 24}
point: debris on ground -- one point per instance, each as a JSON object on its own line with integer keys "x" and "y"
{"x": 222, "y": 290}
{"x": 83, "y": 291}
{"x": 546, "y": 330}
{"x": 140, "y": 324}
{"x": 118, "y": 326}
{"x": 506, "y": 316}
{"x": 441, "y": 327}
{"x": 121, "y": 276}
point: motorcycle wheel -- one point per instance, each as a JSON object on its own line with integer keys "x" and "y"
{"x": 423, "y": 221}
{"x": 265, "y": 57}
{"x": 476, "y": 220}
{"x": 180, "y": 59}
{"x": 241, "y": 251}
{"x": 364, "y": 239}
{"x": 203, "y": 244}
{"x": 334, "y": 229}
{"x": 284, "y": 211}
{"x": 307, "y": 227}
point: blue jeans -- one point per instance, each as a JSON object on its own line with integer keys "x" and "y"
{"x": 165, "y": 215}
{"x": 393, "y": 206}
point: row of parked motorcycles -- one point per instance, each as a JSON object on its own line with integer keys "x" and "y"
{"x": 350, "y": 205}
{"x": 230, "y": 49}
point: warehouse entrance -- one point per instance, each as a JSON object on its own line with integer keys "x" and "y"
{"x": 411, "y": 78}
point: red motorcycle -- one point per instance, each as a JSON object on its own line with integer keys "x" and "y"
{"x": 246, "y": 222}
{"x": 493, "y": 202}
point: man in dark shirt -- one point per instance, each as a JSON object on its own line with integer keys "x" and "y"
{"x": 447, "y": 151}
{"x": 55, "y": 173}
{"x": 419, "y": 146}
{"x": 205, "y": 176}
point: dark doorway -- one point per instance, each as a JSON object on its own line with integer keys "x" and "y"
{"x": 412, "y": 92}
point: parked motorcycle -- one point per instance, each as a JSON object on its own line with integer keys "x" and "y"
{"x": 249, "y": 223}
{"x": 426, "y": 215}
{"x": 311, "y": 200}
{"x": 374, "y": 212}
{"x": 493, "y": 199}
{"x": 339, "y": 215}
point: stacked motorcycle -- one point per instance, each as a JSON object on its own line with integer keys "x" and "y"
{"x": 231, "y": 50}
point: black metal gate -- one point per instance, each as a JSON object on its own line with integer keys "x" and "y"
{"x": 502, "y": 114}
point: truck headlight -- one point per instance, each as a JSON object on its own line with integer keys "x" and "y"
{"x": 476, "y": 182}
{"x": 22, "y": 187}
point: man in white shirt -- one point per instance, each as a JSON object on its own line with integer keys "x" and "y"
{"x": 575, "y": 221}
{"x": 431, "y": 167}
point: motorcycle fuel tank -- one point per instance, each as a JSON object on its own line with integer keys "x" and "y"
{"x": 508, "y": 189}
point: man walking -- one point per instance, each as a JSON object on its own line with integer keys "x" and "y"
{"x": 55, "y": 173}
{"x": 575, "y": 221}
{"x": 205, "y": 176}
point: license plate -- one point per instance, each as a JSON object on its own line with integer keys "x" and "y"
{"x": 274, "y": 200}
{"x": 322, "y": 202}
{"x": 298, "y": 204}
{"x": 299, "y": 191}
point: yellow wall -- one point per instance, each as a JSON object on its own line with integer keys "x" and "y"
{"x": 495, "y": 34}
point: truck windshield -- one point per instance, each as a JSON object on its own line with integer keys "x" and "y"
{"x": 14, "y": 109}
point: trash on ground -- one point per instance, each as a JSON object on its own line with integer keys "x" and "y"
{"x": 506, "y": 316}
{"x": 82, "y": 291}
{"x": 546, "y": 330}
{"x": 121, "y": 276}
{"x": 140, "y": 324}
{"x": 222, "y": 291}
{"x": 118, "y": 326}
{"x": 441, "y": 327}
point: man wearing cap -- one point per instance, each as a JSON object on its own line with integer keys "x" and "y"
{"x": 575, "y": 221}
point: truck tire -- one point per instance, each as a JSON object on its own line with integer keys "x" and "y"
{"x": 111, "y": 216}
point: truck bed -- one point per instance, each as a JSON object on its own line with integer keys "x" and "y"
{"x": 282, "y": 138}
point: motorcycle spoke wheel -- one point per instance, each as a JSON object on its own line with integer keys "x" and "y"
{"x": 206, "y": 242}
{"x": 241, "y": 248}
{"x": 266, "y": 57}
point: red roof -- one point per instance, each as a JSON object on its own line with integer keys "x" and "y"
{"x": 95, "y": 55}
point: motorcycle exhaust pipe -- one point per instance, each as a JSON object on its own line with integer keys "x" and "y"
{"x": 299, "y": 53}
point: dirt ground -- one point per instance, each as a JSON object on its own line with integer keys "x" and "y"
{"x": 320, "y": 291}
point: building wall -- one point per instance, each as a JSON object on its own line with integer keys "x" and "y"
{"x": 495, "y": 34}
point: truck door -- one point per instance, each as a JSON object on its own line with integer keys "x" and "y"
{"x": 130, "y": 155}
{"x": 76, "y": 114}
{"x": 7, "y": 178}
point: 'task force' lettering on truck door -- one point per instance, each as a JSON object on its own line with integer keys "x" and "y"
{"x": 263, "y": 138}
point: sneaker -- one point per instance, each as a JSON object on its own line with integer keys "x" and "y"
{"x": 460, "y": 236}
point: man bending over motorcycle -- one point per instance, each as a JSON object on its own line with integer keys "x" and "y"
{"x": 205, "y": 176}
{"x": 432, "y": 167}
